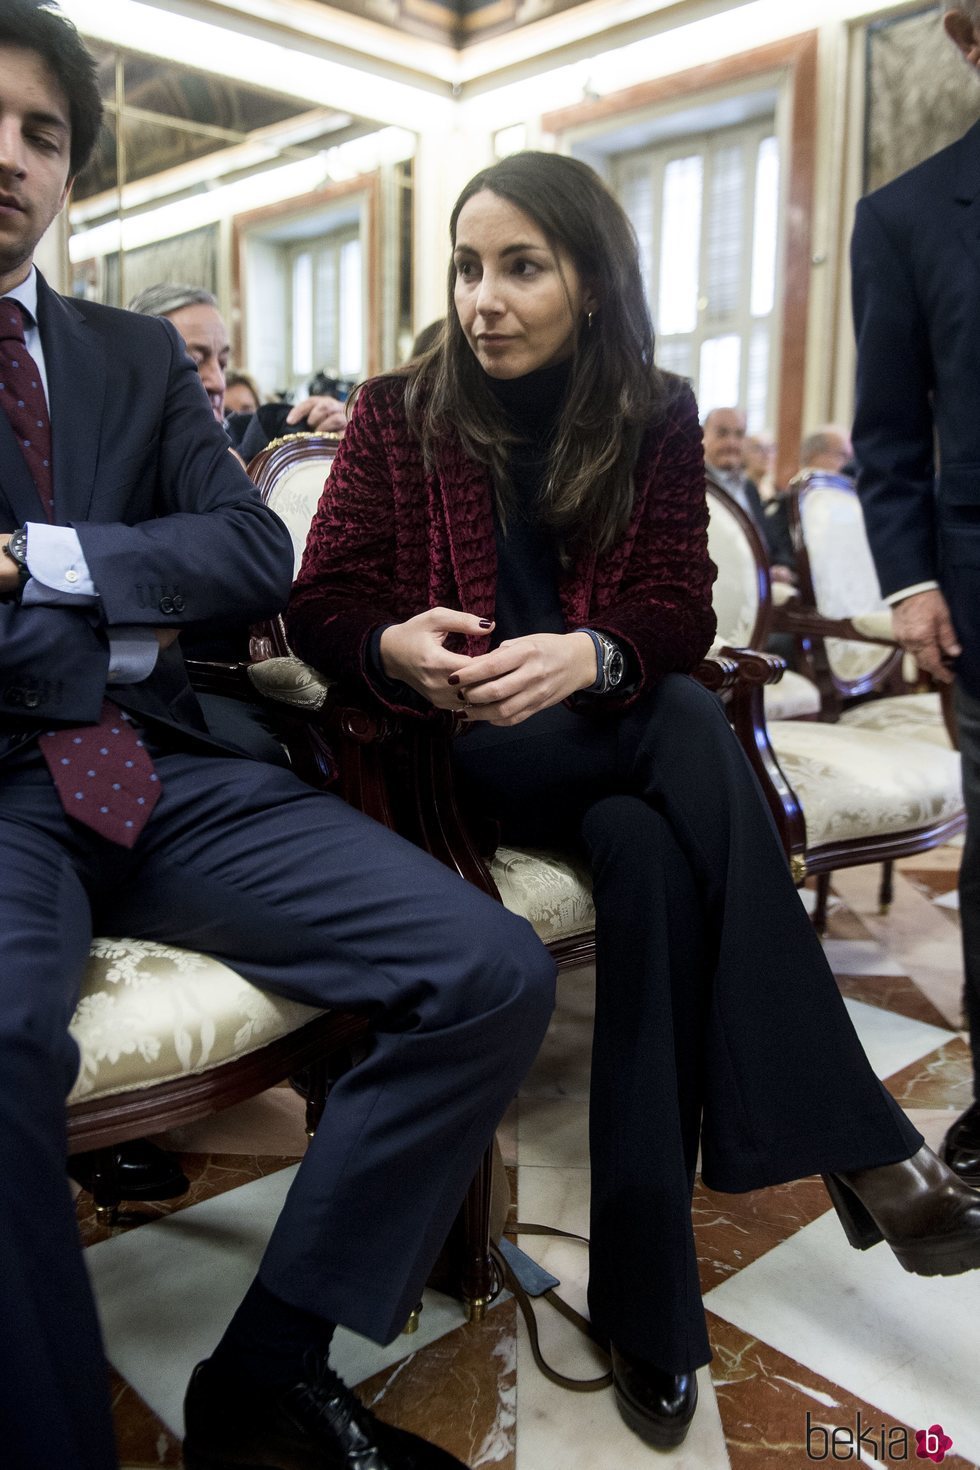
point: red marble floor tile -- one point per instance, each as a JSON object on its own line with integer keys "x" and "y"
{"x": 733, "y": 1230}
{"x": 764, "y": 1398}
{"x": 141, "y": 1438}
{"x": 897, "y": 993}
{"x": 844, "y": 923}
{"x": 209, "y": 1175}
{"x": 460, "y": 1391}
{"x": 933, "y": 882}
{"x": 943, "y": 1079}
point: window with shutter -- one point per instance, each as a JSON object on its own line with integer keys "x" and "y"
{"x": 706, "y": 213}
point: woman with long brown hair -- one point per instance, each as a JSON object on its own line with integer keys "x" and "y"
{"x": 515, "y": 530}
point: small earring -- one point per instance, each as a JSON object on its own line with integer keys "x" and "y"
{"x": 588, "y": 321}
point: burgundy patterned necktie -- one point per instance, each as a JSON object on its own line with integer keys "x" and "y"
{"x": 23, "y": 400}
{"x": 102, "y": 773}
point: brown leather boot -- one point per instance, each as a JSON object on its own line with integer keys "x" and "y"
{"x": 926, "y": 1214}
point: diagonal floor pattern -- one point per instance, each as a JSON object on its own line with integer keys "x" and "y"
{"x": 816, "y": 1347}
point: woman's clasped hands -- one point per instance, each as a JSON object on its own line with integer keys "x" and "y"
{"x": 503, "y": 687}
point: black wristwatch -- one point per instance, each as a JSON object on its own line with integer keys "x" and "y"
{"x": 610, "y": 662}
{"x": 16, "y": 549}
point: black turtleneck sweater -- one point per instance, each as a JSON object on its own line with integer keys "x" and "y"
{"x": 527, "y": 598}
{"x": 527, "y": 561}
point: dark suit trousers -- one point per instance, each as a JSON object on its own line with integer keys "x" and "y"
{"x": 717, "y": 1017}
{"x": 968, "y": 724}
{"x": 308, "y": 899}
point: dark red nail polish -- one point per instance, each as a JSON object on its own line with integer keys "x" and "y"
{"x": 485, "y": 623}
{"x": 461, "y": 695}
{"x": 453, "y": 679}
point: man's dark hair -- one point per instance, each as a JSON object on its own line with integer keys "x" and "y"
{"x": 38, "y": 25}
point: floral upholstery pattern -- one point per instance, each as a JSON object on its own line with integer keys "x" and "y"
{"x": 295, "y": 497}
{"x": 845, "y": 583}
{"x": 918, "y": 715}
{"x": 151, "y": 1013}
{"x": 854, "y": 783}
{"x": 793, "y": 698}
{"x": 550, "y": 890}
{"x": 735, "y": 597}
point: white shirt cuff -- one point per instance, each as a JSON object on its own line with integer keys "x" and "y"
{"x": 59, "y": 572}
{"x": 894, "y": 597}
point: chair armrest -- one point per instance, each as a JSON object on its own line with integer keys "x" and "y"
{"x": 290, "y": 681}
{"x": 219, "y": 678}
{"x": 804, "y": 621}
{"x": 746, "y": 710}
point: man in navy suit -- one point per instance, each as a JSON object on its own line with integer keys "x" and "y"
{"x": 916, "y": 267}
{"x": 123, "y": 519}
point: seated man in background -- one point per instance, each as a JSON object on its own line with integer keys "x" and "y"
{"x": 828, "y": 448}
{"x": 724, "y": 441}
{"x": 195, "y": 314}
{"x": 759, "y": 464}
{"x": 122, "y": 519}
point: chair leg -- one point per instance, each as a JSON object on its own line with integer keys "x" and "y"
{"x": 106, "y": 1192}
{"x": 317, "y": 1085}
{"x": 823, "y": 895}
{"x": 886, "y": 889}
{"x": 478, "y": 1275}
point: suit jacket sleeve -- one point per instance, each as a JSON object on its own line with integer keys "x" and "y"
{"x": 893, "y": 428}
{"x": 175, "y": 535}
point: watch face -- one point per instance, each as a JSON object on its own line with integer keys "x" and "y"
{"x": 615, "y": 668}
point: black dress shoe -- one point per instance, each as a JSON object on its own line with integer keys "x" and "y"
{"x": 143, "y": 1171}
{"x": 657, "y": 1406}
{"x": 961, "y": 1147}
{"x": 318, "y": 1424}
{"x": 924, "y": 1211}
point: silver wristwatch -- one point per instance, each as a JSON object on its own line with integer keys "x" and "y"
{"x": 611, "y": 664}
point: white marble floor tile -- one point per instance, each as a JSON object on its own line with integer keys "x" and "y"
{"x": 562, "y": 1066}
{"x": 557, "y": 1430}
{"x": 166, "y": 1292}
{"x": 860, "y": 957}
{"x": 892, "y": 1041}
{"x": 908, "y": 1345}
{"x": 950, "y": 900}
{"x": 560, "y": 1198}
{"x": 553, "y": 1131}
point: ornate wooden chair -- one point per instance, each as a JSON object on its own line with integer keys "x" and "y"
{"x": 868, "y": 793}
{"x": 863, "y": 677}
{"x": 168, "y": 1036}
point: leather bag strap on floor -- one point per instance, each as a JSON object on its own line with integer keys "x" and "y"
{"x": 525, "y": 1303}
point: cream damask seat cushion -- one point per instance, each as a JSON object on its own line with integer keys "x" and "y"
{"x": 152, "y": 1013}
{"x": 854, "y": 783}
{"x": 916, "y": 715}
{"x": 550, "y": 890}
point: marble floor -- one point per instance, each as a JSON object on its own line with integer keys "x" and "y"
{"x": 820, "y": 1353}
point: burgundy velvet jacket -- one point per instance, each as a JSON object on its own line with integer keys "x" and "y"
{"x": 390, "y": 539}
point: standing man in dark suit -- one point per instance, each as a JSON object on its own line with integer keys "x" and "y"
{"x": 123, "y": 517}
{"x": 916, "y": 265}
